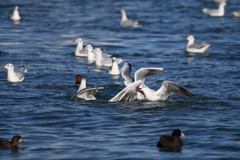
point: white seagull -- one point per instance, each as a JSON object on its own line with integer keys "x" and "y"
{"x": 91, "y": 56}
{"x": 15, "y": 75}
{"x": 215, "y": 12}
{"x": 104, "y": 61}
{"x": 168, "y": 88}
{"x": 196, "y": 47}
{"x": 114, "y": 69}
{"x": 15, "y": 15}
{"x": 125, "y": 22}
{"x": 85, "y": 92}
{"x": 79, "y": 50}
{"x": 129, "y": 93}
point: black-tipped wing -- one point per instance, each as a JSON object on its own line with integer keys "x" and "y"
{"x": 126, "y": 73}
{"x": 143, "y": 73}
{"x": 168, "y": 88}
{"x": 127, "y": 94}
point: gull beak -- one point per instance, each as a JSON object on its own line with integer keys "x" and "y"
{"x": 74, "y": 41}
{"x": 3, "y": 67}
{"x": 185, "y": 38}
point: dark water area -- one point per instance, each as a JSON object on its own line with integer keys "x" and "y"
{"x": 54, "y": 126}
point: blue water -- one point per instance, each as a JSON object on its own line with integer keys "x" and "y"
{"x": 54, "y": 126}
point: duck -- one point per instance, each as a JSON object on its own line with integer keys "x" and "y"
{"x": 11, "y": 144}
{"x": 174, "y": 140}
{"x": 85, "y": 92}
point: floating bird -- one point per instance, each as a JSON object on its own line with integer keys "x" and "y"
{"x": 173, "y": 140}
{"x": 215, "y": 12}
{"x": 114, "y": 69}
{"x": 125, "y": 22}
{"x": 196, "y": 47}
{"x": 130, "y": 92}
{"x": 15, "y": 75}
{"x": 91, "y": 56}
{"x": 236, "y": 13}
{"x": 79, "y": 50}
{"x": 103, "y": 60}
{"x": 15, "y": 15}
{"x": 85, "y": 92}
{"x": 14, "y": 143}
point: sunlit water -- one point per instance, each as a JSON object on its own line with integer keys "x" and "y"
{"x": 54, "y": 126}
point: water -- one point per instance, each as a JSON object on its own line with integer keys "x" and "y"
{"x": 54, "y": 126}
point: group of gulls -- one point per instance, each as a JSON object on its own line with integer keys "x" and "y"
{"x": 135, "y": 89}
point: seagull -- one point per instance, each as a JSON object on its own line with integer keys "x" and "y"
{"x": 91, "y": 56}
{"x": 129, "y": 93}
{"x": 173, "y": 140}
{"x": 104, "y": 61}
{"x": 114, "y": 69}
{"x": 215, "y": 12}
{"x": 168, "y": 88}
{"x": 15, "y": 15}
{"x": 15, "y": 75}
{"x": 14, "y": 143}
{"x": 127, "y": 22}
{"x": 236, "y": 13}
{"x": 79, "y": 50}
{"x": 195, "y": 47}
{"x": 84, "y": 92}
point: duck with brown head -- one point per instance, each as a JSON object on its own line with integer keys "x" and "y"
{"x": 85, "y": 92}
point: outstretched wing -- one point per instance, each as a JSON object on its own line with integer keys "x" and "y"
{"x": 143, "y": 73}
{"x": 127, "y": 94}
{"x": 126, "y": 73}
{"x": 168, "y": 88}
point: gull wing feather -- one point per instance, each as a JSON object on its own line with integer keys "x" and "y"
{"x": 143, "y": 73}
{"x": 168, "y": 88}
{"x": 126, "y": 73}
{"x": 90, "y": 90}
{"x": 129, "y": 93}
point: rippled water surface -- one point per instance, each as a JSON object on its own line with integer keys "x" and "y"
{"x": 54, "y": 126}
